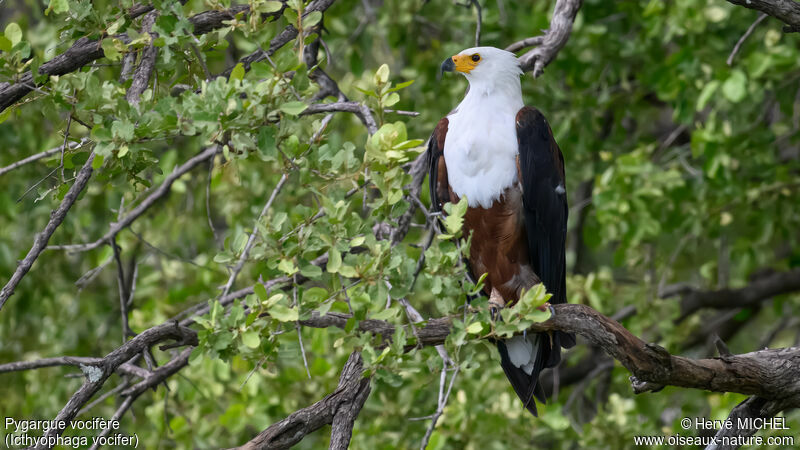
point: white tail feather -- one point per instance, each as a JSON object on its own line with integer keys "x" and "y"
{"x": 522, "y": 351}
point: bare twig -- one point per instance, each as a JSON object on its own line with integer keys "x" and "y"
{"x": 441, "y": 404}
{"x": 123, "y": 297}
{"x": 140, "y": 209}
{"x": 40, "y": 242}
{"x": 44, "y": 154}
{"x": 553, "y": 40}
{"x": 744, "y": 37}
{"x": 251, "y": 240}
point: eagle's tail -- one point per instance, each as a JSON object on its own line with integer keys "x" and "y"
{"x": 524, "y": 357}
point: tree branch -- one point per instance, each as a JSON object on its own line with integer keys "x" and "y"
{"x": 553, "y": 40}
{"x": 770, "y": 374}
{"x": 762, "y": 288}
{"x": 40, "y": 242}
{"x": 338, "y": 408}
{"x": 356, "y": 108}
{"x": 141, "y": 76}
{"x": 160, "y": 192}
{"x": 787, "y": 11}
{"x": 86, "y": 50}
{"x": 98, "y": 373}
{"x": 752, "y": 408}
{"x": 281, "y": 39}
{"x": 44, "y": 154}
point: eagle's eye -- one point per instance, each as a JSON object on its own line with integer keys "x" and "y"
{"x": 476, "y": 57}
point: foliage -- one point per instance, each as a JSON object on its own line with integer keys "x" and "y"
{"x": 694, "y": 166}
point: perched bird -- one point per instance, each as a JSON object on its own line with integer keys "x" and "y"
{"x": 502, "y": 156}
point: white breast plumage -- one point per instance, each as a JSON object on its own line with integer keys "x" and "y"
{"x": 481, "y": 146}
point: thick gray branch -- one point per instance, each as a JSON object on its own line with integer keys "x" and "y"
{"x": 787, "y": 11}
{"x": 742, "y": 414}
{"x": 147, "y": 62}
{"x": 771, "y": 374}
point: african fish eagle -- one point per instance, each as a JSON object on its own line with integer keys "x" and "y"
{"x": 502, "y": 156}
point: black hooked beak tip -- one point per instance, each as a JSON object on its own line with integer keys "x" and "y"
{"x": 447, "y": 66}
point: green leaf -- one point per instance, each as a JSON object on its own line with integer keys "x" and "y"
{"x": 270, "y": 7}
{"x": 293, "y": 108}
{"x": 386, "y": 314}
{"x": 114, "y": 27}
{"x": 6, "y": 114}
{"x": 13, "y": 33}
{"x": 5, "y": 44}
{"x": 475, "y": 328}
{"x": 382, "y": 75}
{"x": 97, "y": 162}
{"x": 311, "y": 271}
{"x": 402, "y": 85}
{"x": 260, "y": 291}
{"x": 312, "y": 19}
{"x": 391, "y": 99}
{"x": 283, "y": 313}
{"x": 706, "y": 93}
{"x": 109, "y": 49}
{"x": 57, "y": 6}
{"x": 122, "y": 130}
{"x": 314, "y": 295}
{"x": 735, "y": 87}
{"x": 287, "y": 266}
{"x": 238, "y": 72}
{"x": 334, "y": 260}
{"x": 251, "y": 339}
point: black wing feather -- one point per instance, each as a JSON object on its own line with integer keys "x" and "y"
{"x": 544, "y": 197}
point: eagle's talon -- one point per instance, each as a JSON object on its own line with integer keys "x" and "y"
{"x": 494, "y": 312}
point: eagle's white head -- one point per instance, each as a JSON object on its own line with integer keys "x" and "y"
{"x": 485, "y": 67}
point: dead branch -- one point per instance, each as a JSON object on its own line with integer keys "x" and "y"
{"x": 787, "y": 11}
{"x": 338, "y": 408}
{"x": 44, "y": 154}
{"x": 98, "y": 373}
{"x": 359, "y": 109}
{"x": 160, "y": 192}
{"x": 752, "y": 408}
{"x": 141, "y": 76}
{"x": 553, "y": 40}
{"x": 126, "y": 368}
{"x": 40, "y": 242}
{"x": 758, "y": 290}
